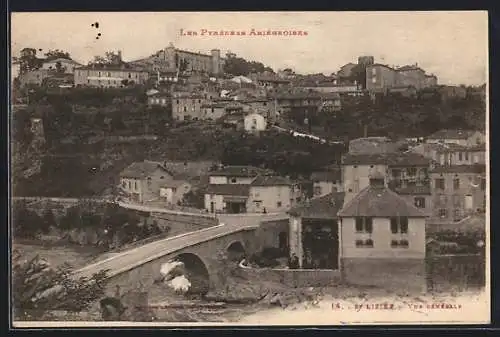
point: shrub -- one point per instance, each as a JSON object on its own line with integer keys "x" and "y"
{"x": 37, "y": 286}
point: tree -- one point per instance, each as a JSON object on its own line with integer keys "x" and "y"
{"x": 109, "y": 58}
{"x": 238, "y": 66}
{"x": 59, "y": 67}
{"x": 28, "y": 61}
{"x": 56, "y": 54}
{"x": 37, "y": 288}
{"x": 26, "y": 223}
{"x": 71, "y": 220}
{"x": 21, "y": 129}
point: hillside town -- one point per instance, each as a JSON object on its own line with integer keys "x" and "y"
{"x": 340, "y": 178}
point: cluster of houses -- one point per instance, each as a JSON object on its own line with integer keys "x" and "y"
{"x": 444, "y": 177}
{"x": 368, "y": 214}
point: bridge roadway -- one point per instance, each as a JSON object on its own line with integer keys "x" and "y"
{"x": 127, "y": 260}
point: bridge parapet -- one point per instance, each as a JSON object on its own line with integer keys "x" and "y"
{"x": 250, "y": 220}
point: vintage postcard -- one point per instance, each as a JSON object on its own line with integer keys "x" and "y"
{"x": 249, "y": 168}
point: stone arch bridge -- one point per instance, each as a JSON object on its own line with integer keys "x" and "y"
{"x": 203, "y": 252}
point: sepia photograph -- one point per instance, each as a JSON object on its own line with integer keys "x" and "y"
{"x": 190, "y": 169}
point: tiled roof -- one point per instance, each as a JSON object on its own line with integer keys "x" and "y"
{"x": 451, "y": 134}
{"x": 413, "y": 190}
{"x": 333, "y": 175}
{"x": 379, "y": 202}
{"x": 238, "y": 171}
{"x": 390, "y": 159}
{"x": 174, "y": 183}
{"x": 407, "y": 67}
{"x": 324, "y": 207}
{"x": 62, "y": 60}
{"x": 141, "y": 170}
{"x": 271, "y": 181}
{"x": 477, "y": 168}
{"x": 229, "y": 189}
{"x": 105, "y": 67}
{"x": 213, "y": 105}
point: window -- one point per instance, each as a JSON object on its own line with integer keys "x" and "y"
{"x": 124, "y": 184}
{"x": 185, "y": 109}
{"x": 364, "y": 243}
{"x": 399, "y": 244}
{"x": 456, "y": 184}
{"x": 439, "y": 183}
{"x": 162, "y": 177}
{"x": 213, "y": 110}
{"x": 199, "y": 101}
{"x": 129, "y": 75}
{"x": 233, "y": 180}
{"x": 258, "y": 204}
{"x": 483, "y": 184}
{"x": 317, "y": 190}
{"x": 420, "y": 202}
{"x": 456, "y": 214}
{"x": 466, "y": 155}
{"x": 411, "y": 171}
{"x": 364, "y": 225}
{"x": 456, "y": 200}
{"x": 442, "y": 199}
{"x": 399, "y": 225}
{"x": 135, "y": 185}
{"x": 442, "y": 213}
{"x": 460, "y": 156}
{"x": 468, "y": 202}
{"x": 278, "y": 204}
{"x": 129, "y": 185}
{"x": 177, "y": 101}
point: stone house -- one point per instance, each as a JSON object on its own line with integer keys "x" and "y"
{"x": 457, "y": 191}
{"x": 141, "y": 181}
{"x": 381, "y": 234}
{"x": 326, "y": 182}
{"x": 460, "y": 137}
{"x": 254, "y": 122}
{"x": 242, "y": 189}
{"x": 173, "y": 191}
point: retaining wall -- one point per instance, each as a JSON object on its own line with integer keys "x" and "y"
{"x": 293, "y": 277}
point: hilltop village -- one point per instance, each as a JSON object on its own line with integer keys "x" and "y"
{"x": 353, "y": 174}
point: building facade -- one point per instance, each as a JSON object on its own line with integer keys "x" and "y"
{"x": 400, "y": 171}
{"x": 171, "y": 60}
{"x": 381, "y": 78}
{"x": 457, "y": 191}
{"x": 109, "y": 76}
{"x": 381, "y": 234}
{"x": 67, "y": 66}
{"x": 254, "y": 122}
{"x": 173, "y": 191}
{"x": 326, "y": 182}
{"x": 459, "y": 137}
{"x": 141, "y": 181}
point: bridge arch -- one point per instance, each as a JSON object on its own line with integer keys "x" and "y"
{"x": 196, "y": 271}
{"x": 236, "y": 251}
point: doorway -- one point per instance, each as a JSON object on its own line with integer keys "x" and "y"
{"x": 320, "y": 244}
{"x": 283, "y": 242}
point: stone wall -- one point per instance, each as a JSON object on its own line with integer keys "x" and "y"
{"x": 398, "y": 275}
{"x": 180, "y": 223}
{"x": 293, "y": 277}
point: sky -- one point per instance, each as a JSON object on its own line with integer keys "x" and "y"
{"x": 451, "y": 45}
